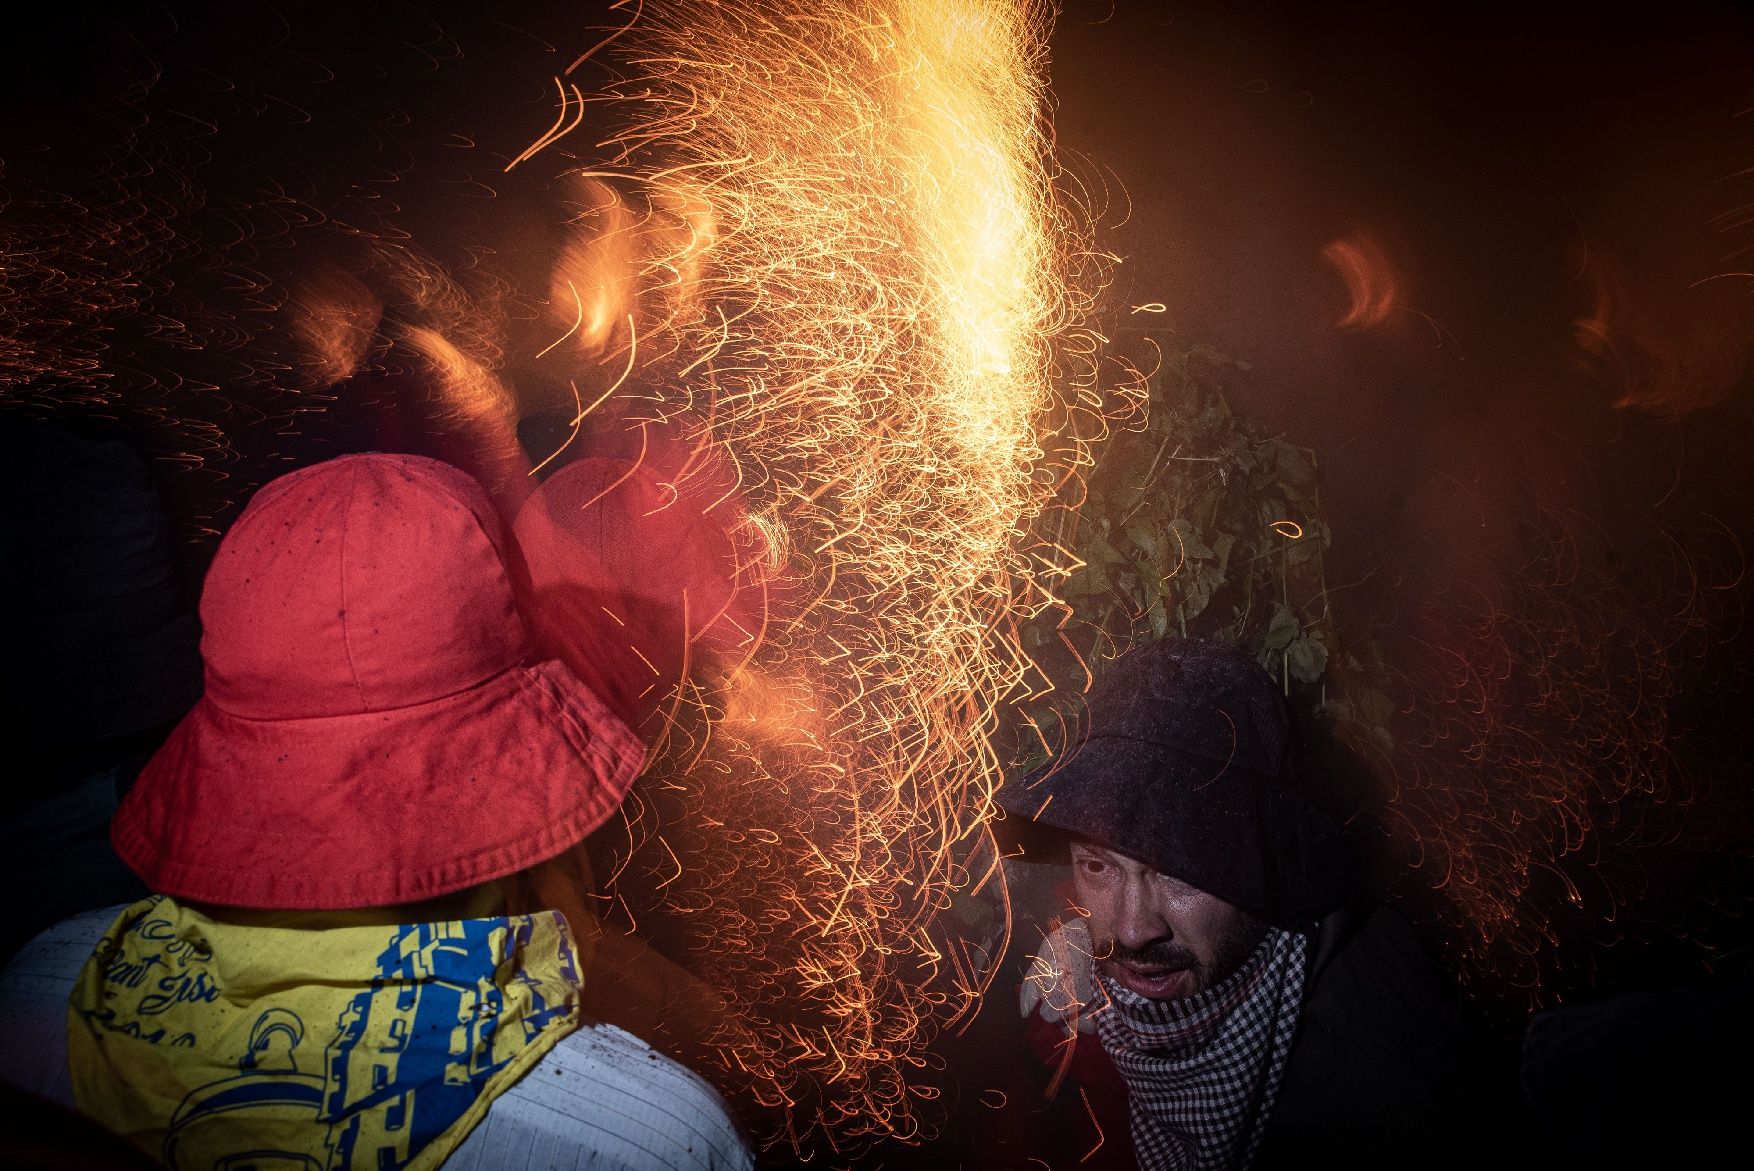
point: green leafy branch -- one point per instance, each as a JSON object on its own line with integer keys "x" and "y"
{"x": 1199, "y": 523}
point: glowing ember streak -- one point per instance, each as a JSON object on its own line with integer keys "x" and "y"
{"x": 1371, "y": 286}
{"x": 333, "y": 318}
{"x": 589, "y": 287}
{"x": 860, "y": 284}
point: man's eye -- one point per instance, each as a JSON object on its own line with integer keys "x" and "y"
{"x": 1091, "y": 866}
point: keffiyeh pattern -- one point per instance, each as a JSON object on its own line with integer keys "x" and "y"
{"x": 1202, "y": 1072}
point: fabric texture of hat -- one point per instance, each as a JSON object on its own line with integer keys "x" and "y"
{"x": 372, "y": 732}
{"x": 96, "y": 639}
{"x": 1185, "y": 763}
{"x": 635, "y": 570}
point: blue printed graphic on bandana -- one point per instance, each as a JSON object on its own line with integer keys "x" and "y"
{"x": 416, "y": 1050}
{"x": 268, "y": 1092}
{"x": 410, "y": 1056}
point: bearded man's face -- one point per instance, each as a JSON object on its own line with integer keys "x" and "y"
{"x": 1156, "y": 935}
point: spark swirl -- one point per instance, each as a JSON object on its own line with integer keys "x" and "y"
{"x": 857, "y": 279}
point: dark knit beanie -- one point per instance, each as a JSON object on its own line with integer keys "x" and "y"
{"x": 1185, "y": 762}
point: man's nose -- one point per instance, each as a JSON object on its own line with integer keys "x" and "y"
{"x": 1139, "y": 922}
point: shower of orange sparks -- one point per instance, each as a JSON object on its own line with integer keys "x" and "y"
{"x": 858, "y": 281}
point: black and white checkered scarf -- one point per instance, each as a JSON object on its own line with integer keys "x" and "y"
{"x": 1202, "y": 1072}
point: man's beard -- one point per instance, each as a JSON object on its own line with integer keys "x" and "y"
{"x": 1233, "y": 949}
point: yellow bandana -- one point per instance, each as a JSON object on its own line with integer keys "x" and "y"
{"x": 215, "y": 1045}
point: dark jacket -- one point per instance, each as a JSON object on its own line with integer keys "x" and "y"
{"x": 1388, "y": 1068}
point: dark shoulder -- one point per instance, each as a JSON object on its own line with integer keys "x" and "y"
{"x": 1370, "y": 967}
{"x": 1389, "y": 1056}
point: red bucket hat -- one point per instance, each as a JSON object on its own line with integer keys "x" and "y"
{"x": 620, "y": 551}
{"x": 371, "y": 732}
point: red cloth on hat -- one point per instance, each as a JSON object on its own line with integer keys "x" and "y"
{"x": 618, "y": 551}
{"x": 371, "y": 732}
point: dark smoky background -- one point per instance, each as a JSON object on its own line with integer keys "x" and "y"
{"x": 1490, "y": 265}
{"x": 179, "y": 182}
{"x": 1545, "y": 215}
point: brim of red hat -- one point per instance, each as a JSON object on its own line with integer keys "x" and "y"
{"x": 379, "y": 808}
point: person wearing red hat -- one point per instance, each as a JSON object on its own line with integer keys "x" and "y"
{"x": 328, "y": 973}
